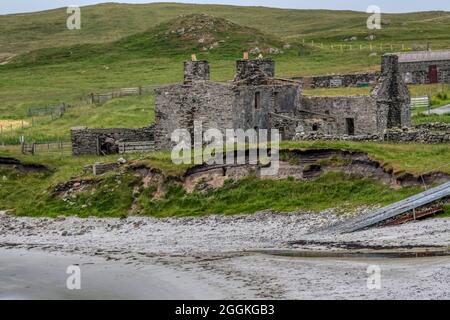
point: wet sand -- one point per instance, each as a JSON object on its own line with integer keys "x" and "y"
{"x": 214, "y": 257}
{"x": 41, "y": 275}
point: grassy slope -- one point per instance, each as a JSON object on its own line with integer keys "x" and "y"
{"x": 108, "y": 22}
{"x": 132, "y": 62}
{"x": 30, "y": 193}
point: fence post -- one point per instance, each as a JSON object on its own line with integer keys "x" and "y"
{"x": 140, "y": 90}
{"x": 33, "y": 148}
{"x": 98, "y": 145}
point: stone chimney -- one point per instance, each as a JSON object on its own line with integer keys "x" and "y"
{"x": 392, "y": 96}
{"x": 247, "y": 69}
{"x": 196, "y": 71}
{"x": 389, "y": 64}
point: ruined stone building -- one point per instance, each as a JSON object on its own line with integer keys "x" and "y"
{"x": 254, "y": 100}
{"x": 387, "y": 106}
{"x": 423, "y": 67}
{"x": 257, "y": 99}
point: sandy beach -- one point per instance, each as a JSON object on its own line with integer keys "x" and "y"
{"x": 215, "y": 257}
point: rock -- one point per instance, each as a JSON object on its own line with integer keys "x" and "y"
{"x": 287, "y": 46}
{"x": 121, "y": 161}
{"x": 370, "y": 37}
{"x": 274, "y": 51}
{"x": 255, "y": 51}
{"x": 64, "y": 233}
{"x": 214, "y": 45}
{"x": 353, "y": 38}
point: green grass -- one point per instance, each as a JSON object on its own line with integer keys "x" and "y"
{"x": 31, "y": 194}
{"x": 408, "y": 157}
{"x": 252, "y": 194}
{"x": 422, "y": 118}
{"x": 110, "y": 22}
{"x": 127, "y": 112}
{"x": 446, "y": 213}
{"x": 115, "y": 49}
{"x": 68, "y": 82}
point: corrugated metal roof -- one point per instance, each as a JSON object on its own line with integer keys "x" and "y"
{"x": 419, "y": 56}
{"x": 393, "y": 210}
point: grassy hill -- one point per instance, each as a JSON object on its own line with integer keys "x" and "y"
{"x": 119, "y": 194}
{"x": 199, "y": 33}
{"x": 123, "y": 45}
{"x": 111, "y": 21}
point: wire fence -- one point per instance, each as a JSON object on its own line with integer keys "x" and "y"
{"x": 370, "y": 46}
{"x": 59, "y": 148}
{"x": 101, "y": 98}
{"x": 13, "y": 132}
{"x": 54, "y": 111}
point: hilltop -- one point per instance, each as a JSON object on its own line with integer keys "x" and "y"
{"x": 111, "y": 22}
{"x": 199, "y": 33}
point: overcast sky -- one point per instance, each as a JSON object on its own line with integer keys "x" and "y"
{"x": 16, "y": 6}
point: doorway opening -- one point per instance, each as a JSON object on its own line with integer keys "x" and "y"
{"x": 350, "y": 126}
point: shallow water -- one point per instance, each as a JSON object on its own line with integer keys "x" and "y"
{"x": 40, "y": 275}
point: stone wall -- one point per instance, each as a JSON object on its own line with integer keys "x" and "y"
{"x": 418, "y": 72}
{"x": 252, "y": 69}
{"x": 254, "y": 104}
{"x": 417, "y": 135}
{"x": 196, "y": 71}
{"x": 345, "y": 80}
{"x": 397, "y": 135}
{"x": 435, "y": 126}
{"x": 334, "y": 115}
{"x": 245, "y": 104}
{"x": 178, "y": 106}
{"x": 87, "y": 141}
